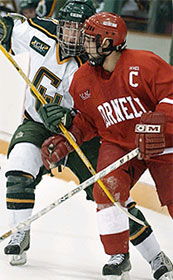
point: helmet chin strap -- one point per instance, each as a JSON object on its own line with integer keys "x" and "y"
{"x": 99, "y": 60}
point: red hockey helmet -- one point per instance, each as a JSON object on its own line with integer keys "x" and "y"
{"x": 106, "y": 25}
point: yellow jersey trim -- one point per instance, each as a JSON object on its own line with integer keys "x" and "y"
{"x": 20, "y": 200}
{"x": 52, "y": 9}
{"x": 138, "y": 233}
{"x": 43, "y": 29}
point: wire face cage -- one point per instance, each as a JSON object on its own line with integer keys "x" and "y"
{"x": 68, "y": 35}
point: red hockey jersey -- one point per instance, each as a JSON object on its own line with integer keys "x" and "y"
{"x": 111, "y": 104}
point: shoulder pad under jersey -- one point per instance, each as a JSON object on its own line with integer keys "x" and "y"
{"x": 45, "y": 25}
{"x": 16, "y": 16}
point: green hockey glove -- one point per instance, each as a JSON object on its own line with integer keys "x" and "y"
{"x": 52, "y": 114}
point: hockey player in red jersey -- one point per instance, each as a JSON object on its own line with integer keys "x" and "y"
{"x": 125, "y": 97}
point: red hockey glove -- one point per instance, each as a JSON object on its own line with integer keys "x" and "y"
{"x": 150, "y": 134}
{"x": 57, "y": 147}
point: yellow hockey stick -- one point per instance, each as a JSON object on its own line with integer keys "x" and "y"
{"x": 70, "y": 139}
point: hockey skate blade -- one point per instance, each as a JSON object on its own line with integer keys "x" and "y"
{"x": 18, "y": 259}
{"x": 167, "y": 276}
{"x": 124, "y": 276}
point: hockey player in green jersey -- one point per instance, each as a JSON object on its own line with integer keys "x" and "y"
{"x": 53, "y": 61}
{"x": 33, "y": 8}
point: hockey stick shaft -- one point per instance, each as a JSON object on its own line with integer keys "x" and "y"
{"x": 32, "y": 87}
{"x": 65, "y": 132}
{"x": 67, "y": 196}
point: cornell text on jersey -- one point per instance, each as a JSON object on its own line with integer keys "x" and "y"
{"x": 121, "y": 109}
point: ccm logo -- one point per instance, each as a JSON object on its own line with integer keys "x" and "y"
{"x": 147, "y": 128}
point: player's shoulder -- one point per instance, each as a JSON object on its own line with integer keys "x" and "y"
{"x": 83, "y": 75}
{"x": 142, "y": 57}
{"x": 137, "y": 53}
{"x": 17, "y": 17}
{"x": 85, "y": 68}
{"x": 45, "y": 25}
{"x": 13, "y": 19}
{"x": 83, "y": 78}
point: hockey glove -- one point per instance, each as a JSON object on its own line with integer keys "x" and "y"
{"x": 52, "y": 114}
{"x": 150, "y": 135}
{"x": 57, "y": 147}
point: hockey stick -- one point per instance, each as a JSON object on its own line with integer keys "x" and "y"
{"x": 67, "y": 135}
{"x": 79, "y": 188}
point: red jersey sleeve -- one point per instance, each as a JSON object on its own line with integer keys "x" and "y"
{"x": 164, "y": 95}
{"x": 86, "y": 126}
{"x": 159, "y": 78}
{"x": 83, "y": 121}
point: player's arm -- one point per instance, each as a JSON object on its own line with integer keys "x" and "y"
{"x": 165, "y": 105}
{"x": 154, "y": 132}
{"x": 163, "y": 93}
{"x": 10, "y": 25}
{"x": 6, "y": 26}
{"x": 57, "y": 147}
{"x": 150, "y": 134}
{"x": 45, "y": 8}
